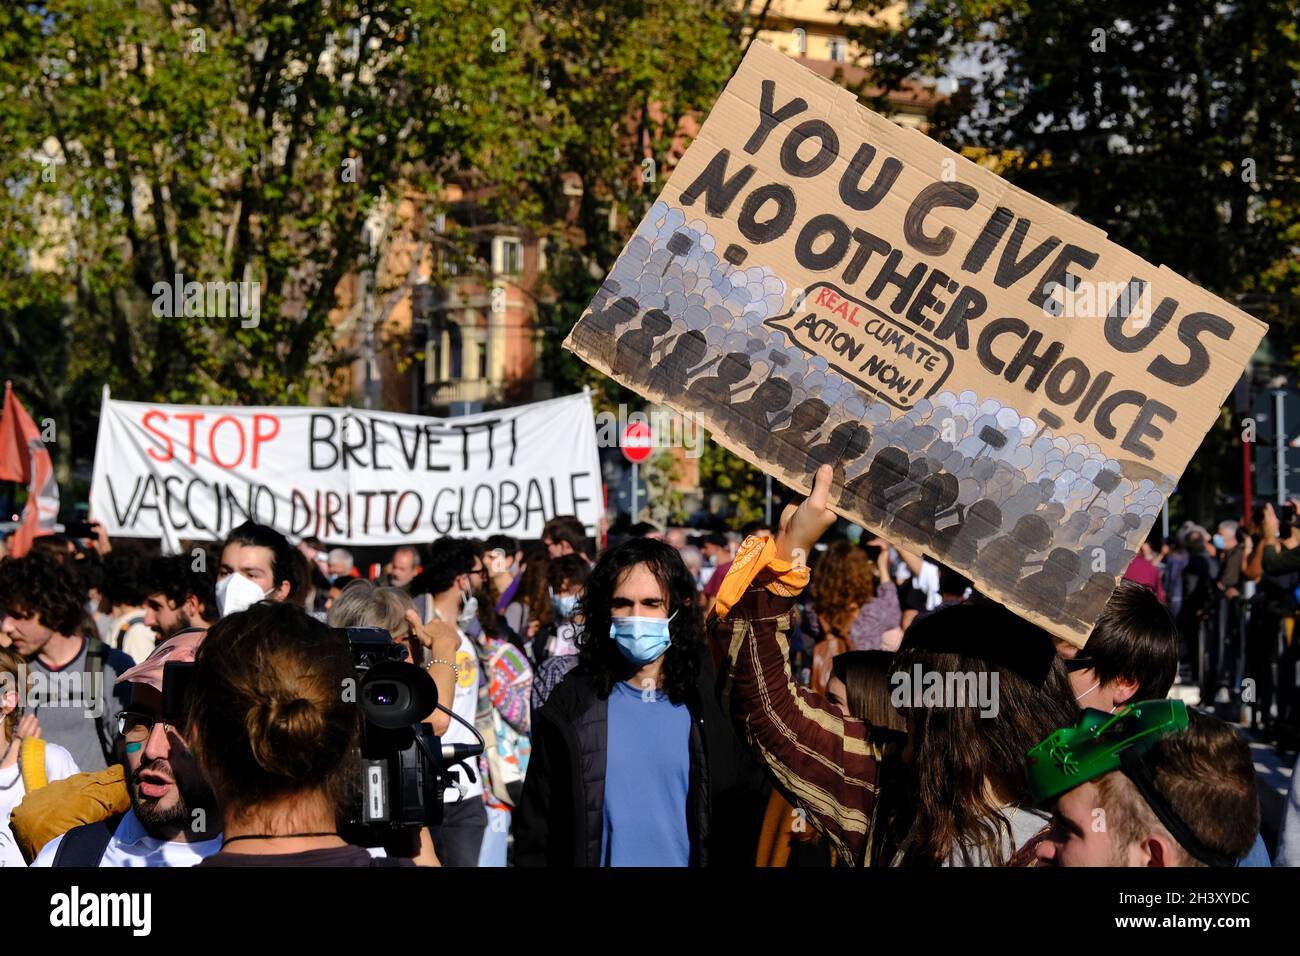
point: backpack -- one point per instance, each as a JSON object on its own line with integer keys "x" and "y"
{"x": 120, "y": 634}
{"x": 31, "y": 763}
{"x": 506, "y": 749}
{"x": 95, "y": 662}
{"x": 84, "y": 846}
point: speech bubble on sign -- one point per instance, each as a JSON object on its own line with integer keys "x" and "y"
{"x": 881, "y": 354}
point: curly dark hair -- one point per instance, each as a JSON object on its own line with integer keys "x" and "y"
{"x": 175, "y": 578}
{"x": 42, "y": 585}
{"x": 124, "y": 580}
{"x": 600, "y": 656}
{"x": 532, "y": 590}
{"x": 448, "y": 559}
{"x": 570, "y": 568}
{"x": 844, "y": 583}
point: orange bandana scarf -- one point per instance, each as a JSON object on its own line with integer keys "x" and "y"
{"x": 757, "y": 555}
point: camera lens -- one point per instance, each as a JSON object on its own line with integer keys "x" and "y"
{"x": 395, "y": 694}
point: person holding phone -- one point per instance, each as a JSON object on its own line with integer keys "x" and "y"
{"x": 1278, "y": 554}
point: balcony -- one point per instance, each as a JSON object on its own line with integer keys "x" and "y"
{"x": 485, "y": 392}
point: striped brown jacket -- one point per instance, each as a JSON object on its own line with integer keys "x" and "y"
{"x": 824, "y": 762}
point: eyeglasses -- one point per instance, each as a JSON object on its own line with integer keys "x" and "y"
{"x": 1078, "y": 663}
{"x": 136, "y": 727}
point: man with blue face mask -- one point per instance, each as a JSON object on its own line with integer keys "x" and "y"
{"x": 634, "y": 762}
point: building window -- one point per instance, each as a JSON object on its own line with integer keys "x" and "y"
{"x": 838, "y": 49}
{"x": 507, "y": 256}
{"x": 454, "y": 353}
{"x": 482, "y": 360}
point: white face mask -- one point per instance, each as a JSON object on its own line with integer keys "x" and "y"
{"x": 1089, "y": 691}
{"x": 237, "y": 593}
{"x": 468, "y": 610}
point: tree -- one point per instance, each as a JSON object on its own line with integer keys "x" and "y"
{"x": 265, "y": 143}
{"x": 1173, "y": 125}
{"x": 743, "y": 486}
{"x": 625, "y": 84}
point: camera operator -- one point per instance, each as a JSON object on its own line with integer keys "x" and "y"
{"x": 361, "y": 604}
{"x": 275, "y": 736}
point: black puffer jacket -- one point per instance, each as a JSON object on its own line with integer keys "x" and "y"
{"x": 560, "y": 818}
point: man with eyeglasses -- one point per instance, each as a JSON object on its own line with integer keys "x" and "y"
{"x": 173, "y": 818}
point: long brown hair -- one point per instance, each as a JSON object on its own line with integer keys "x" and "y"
{"x": 534, "y": 594}
{"x": 844, "y": 582}
{"x": 268, "y": 708}
{"x": 942, "y": 800}
{"x": 865, "y": 675}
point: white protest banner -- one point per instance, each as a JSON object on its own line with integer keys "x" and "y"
{"x": 993, "y": 381}
{"x": 344, "y": 475}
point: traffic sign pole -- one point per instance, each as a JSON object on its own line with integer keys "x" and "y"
{"x": 635, "y": 469}
{"x": 1279, "y": 432}
{"x": 637, "y": 445}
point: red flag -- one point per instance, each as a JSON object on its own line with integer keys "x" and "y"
{"x": 25, "y": 459}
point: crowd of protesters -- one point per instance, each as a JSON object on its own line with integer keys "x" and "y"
{"x": 788, "y": 696}
{"x": 1233, "y": 595}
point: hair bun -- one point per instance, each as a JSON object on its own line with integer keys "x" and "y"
{"x": 283, "y": 734}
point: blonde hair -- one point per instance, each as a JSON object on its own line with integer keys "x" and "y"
{"x": 11, "y": 663}
{"x": 361, "y": 604}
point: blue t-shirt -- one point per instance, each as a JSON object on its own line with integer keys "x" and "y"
{"x": 1258, "y": 855}
{"x": 647, "y": 778}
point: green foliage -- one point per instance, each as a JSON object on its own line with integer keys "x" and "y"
{"x": 621, "y": 78}
{"x": 255, "y": 139}
{"x": 1172, "y": 125}
{"x": 224, "y": 142}
{"x": 743, "y": 485}
{"x": 663, "y": 477}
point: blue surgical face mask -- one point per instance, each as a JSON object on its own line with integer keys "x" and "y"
{"x": 641, "y": 639}
{"x": 1218, "y": 542}
{"x": 564, "y": 604}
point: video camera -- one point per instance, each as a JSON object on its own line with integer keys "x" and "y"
{"x": 404, "y": 767}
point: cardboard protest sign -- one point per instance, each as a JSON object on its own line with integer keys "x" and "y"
{"x": 345, "y": 475}
{"x": 995, "y": 383}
